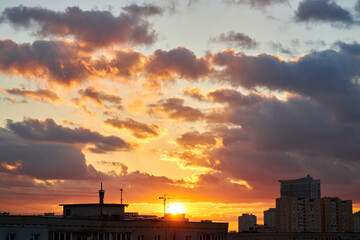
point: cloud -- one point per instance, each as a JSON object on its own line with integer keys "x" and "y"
{"x": 56, "y": 61}
{"x": 235, "y": 39}
{"x": 65, "y": 63}
{"x": 42, "y": 160}
{"x": 92, "y": 28}
{"x": 255, "y": 3}
{"x": 323, "y": 11}
{"x": 278, "y": 47}
{"x": 195, "y": 93}
{"x": 49, "y": 131}
{"x": 174, "y": 108}
{"x": 194, "y": 139}
{"x": 299, "y": 135}
{"x": 120, "y": 168}
{"x": 99, "y": 97}
{"x": 43, "y": 95}
{"x": 326, "y": 77}
{"x": 139, "y": 130}
{"x": 179, "y": 62}
{"x": 233, "y": 97}
{"x": 357, "y": 6}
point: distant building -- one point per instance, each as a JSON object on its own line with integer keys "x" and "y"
{"x": 100, "y": 221}
{"x": 357, "y": 221}
{"x": 270, "y": 217}
{"x": 292, "y": 236}
{"x": 302, "y": 187}
{"x": 247, "y": 222}
{"x": 298, "y": 214}
{"x": 336, "y": 215}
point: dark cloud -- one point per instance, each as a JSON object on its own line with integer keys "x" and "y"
{"x": 179, "y": 62}
{"x": 43, "y": 95}
{"x": 255, "y": 3}
{"x": 327, "y": 77}
{"x": 127, "y": 63}
{"x": 174, "y": 108}
{"x": 323, "y": 11}
{"x": 357, "y": 6}
{"x": 53, "y": 60}
{"x": 65, "y": 63}
{"x": 49, "y": 131}
{"x": 298, "y": 135}
{"x": 99, "y": 97}
{"x": 235, "y": 39}
{"x": 194, "y": 139}
{"x": 138, "y": 129}
{"x": 278, "y": 47}
{"x": 94, "y": 28}
{"x": 233, "y": 97}
{"x": 42, "y": 160}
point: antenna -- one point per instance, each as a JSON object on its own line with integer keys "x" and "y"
{"x": 121, "y": 190}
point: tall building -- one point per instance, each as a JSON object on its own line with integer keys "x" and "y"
{"x": 247, "y": 222}
{"x": 270, "y": 217}
{"x": 302, "y": 187}
{"x": 357, "y": 221}
{"x": 336, "y": 215}
{"x": 298, "y": 214}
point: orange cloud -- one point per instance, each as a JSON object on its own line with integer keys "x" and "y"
{"x": 43, "y": 95}
{"x": 139, "y": 130}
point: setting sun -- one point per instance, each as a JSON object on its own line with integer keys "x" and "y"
{"x": 176, "y": 208}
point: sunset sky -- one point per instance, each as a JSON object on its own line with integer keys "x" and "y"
{"x": 210, "y": 102}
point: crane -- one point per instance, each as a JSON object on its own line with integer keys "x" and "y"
{"x": 166, "y": 198}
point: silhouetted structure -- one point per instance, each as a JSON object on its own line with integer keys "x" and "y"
{"x": 270, "y": 217}
{"x": 298, "y": 214}
{"x": 100, "y": 221}
{"x": 302, "y": 187}
{"x": 247, "y": 222}
{"x": 357, "y": 221}
{"x": 336, "y": 215}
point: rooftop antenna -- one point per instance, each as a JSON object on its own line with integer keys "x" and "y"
{"x": 121, "y": 190}
{"x": 101, "y": 195}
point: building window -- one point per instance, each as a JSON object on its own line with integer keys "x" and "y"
{"x": 10, "y": 236}
{"x": 35, "y": 237}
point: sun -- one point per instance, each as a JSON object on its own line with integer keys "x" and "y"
{"x": 175, "y": 208}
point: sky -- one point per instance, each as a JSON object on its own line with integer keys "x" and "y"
{"x": 209, "y": 102}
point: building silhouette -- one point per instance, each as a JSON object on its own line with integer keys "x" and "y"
{"x": 270, "y": 217}
{"x": 336, "y": 215}
{"x": 357, "y": 221}
{"x": 247, "y": 222}
{"x": 101, "y": 221}
{"x": 302, "y": 187}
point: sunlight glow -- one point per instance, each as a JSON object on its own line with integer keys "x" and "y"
{"x": 176, "y": 208}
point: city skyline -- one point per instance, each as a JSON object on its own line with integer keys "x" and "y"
{"x": 209, "y": 102}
